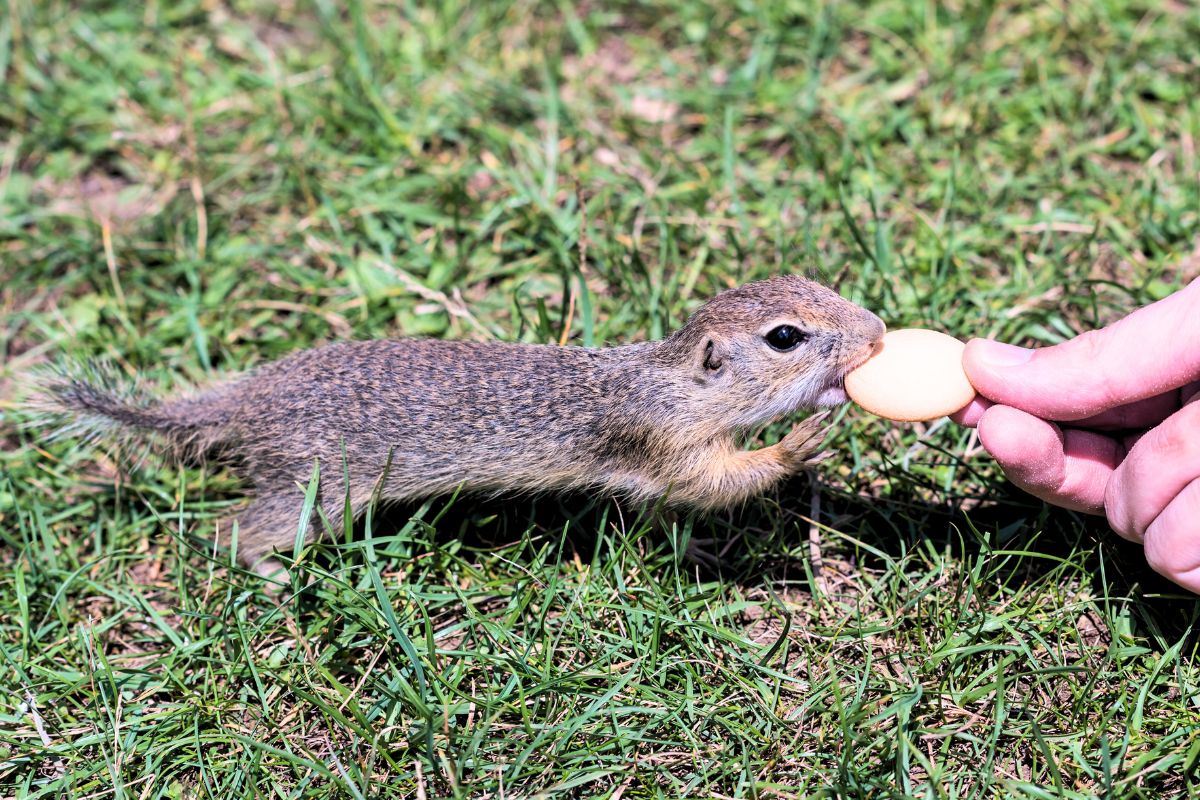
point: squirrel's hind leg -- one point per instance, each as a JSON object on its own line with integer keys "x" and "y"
{"x": 266, "y": 526}
{"x": 269, "y": 524}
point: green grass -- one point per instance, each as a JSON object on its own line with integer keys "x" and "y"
{"x": 191, "y": 188}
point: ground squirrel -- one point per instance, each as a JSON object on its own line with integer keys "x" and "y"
{"x": 416, "y": 418}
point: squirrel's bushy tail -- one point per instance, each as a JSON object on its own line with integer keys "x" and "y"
{"x": 93, "y": 403}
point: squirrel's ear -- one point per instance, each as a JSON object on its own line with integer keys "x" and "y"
{"x": 710, "y": 360}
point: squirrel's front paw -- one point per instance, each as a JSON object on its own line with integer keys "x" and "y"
{"x": 801, "y": 447}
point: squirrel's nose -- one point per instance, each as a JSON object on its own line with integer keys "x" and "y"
{"x": 876, "y": 329}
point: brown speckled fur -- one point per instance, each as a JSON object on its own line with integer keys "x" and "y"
{"x": 643, "y": 420}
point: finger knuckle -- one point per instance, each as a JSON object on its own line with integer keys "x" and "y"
{"x": 1163, "y": 560}
{"x": 1089, "y": 345}
{"x": 1116, "y": 510}
{"x": 1172, "y": 544}
{"x": 1178, "y": 439}
{"x": 1088, "y": 350}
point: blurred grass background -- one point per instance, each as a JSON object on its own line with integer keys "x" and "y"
{"x": 192, "y": 188}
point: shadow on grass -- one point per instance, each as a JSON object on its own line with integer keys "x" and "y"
{"x": 1020, "y": 541}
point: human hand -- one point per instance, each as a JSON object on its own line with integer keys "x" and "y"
{"x": 1105, "y": 423}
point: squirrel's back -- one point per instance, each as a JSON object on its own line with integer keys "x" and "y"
{"x": 440, "y": 412}
{"x": 447, "y": 410}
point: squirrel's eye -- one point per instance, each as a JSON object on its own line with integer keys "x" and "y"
{"x": 785, "y": 337}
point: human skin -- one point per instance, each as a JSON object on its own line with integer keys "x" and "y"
{"x": 1105, "y": 423}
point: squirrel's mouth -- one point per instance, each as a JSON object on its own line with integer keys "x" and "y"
{"x": 862, "y": 358}
{"x": 835, "y": 393}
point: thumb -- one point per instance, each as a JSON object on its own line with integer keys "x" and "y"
{"x": 1149, "y": 352}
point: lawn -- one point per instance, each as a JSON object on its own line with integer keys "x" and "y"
{"x": 191, "y": 188}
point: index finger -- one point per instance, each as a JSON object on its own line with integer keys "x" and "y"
{"x": 1150, "y": 352}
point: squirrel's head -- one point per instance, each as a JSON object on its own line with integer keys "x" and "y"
{"x": 771, "y": 347}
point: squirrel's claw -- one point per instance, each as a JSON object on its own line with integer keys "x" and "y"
{"x": 802, "y": 444}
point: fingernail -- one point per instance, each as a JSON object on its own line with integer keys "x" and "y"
{"x": 999, "y": 354}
